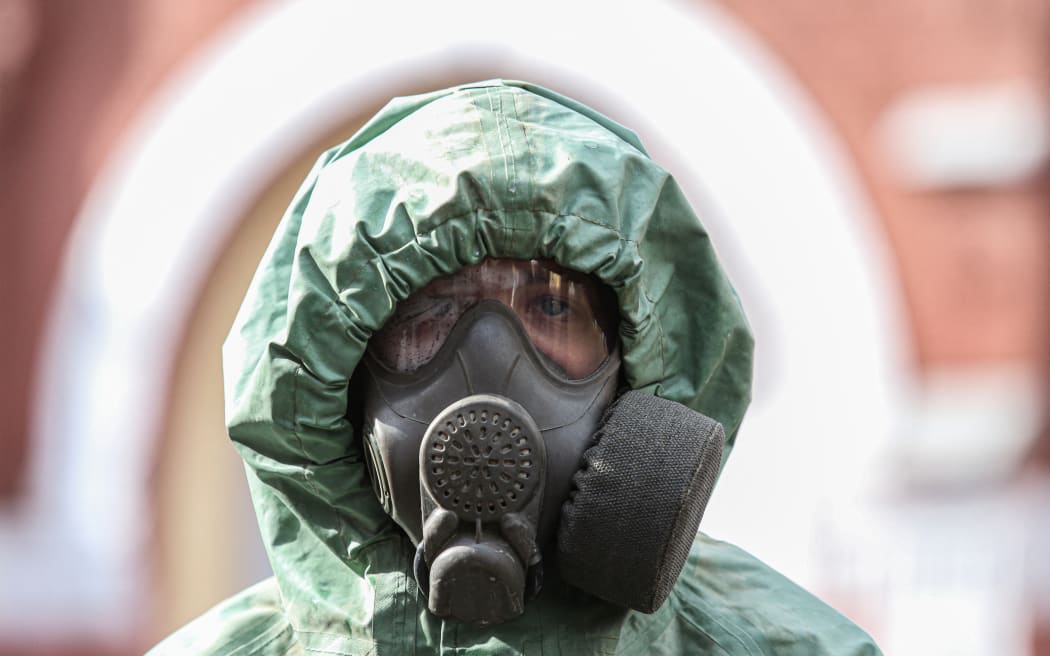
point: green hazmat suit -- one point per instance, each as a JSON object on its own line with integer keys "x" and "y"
{"x": 434, "y": 183}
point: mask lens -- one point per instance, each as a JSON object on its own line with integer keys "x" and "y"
{"x": 569, "y": 316}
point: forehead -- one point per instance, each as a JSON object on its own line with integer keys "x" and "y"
{"x": 498, "y": 272}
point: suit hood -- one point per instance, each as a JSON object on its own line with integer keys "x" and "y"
{"x": 432, "y": 184}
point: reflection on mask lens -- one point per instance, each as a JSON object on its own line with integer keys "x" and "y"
{"x": 566, "y": 314}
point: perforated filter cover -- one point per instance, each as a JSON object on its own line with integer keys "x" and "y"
{"x": 482, "y": 457}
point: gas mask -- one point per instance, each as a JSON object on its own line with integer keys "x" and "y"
{"x": 495, "y": 438}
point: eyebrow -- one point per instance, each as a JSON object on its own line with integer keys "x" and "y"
{"x": 538, "y": 277}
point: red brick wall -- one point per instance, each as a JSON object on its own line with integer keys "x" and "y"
{"x": 65, "y": 97}
{"x": 973, "y": 264}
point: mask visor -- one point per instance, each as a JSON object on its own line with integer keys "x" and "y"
{"x": 569, "y": 316}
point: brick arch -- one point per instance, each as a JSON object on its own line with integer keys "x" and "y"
{"x": 744, "y": 142}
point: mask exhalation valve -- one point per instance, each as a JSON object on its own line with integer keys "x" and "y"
{"x": 482, "y": 467}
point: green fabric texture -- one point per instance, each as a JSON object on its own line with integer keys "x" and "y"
{"x": 434, "y": 183}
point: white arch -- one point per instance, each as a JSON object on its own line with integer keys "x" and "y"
{"x": 777, "y": 194}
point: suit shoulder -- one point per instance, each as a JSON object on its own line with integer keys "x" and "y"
{"x": 249, "y": 623}
{"x": 747, "y": 607}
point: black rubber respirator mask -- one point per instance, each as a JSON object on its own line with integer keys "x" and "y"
{"x": 494, "y": 437}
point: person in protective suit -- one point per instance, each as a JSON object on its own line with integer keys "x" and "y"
{"x": 483, "y": 382}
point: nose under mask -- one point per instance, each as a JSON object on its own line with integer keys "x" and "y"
{"x": 488, "y": 454}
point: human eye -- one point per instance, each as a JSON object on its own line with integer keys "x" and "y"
{"x": 436, "y": 309}
{"x": 553, "y": 307}
{"x": 546, "y": 311}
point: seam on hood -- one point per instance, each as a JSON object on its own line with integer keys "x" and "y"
{"x": 306, "y": 470}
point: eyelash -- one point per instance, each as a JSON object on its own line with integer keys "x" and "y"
{"x": 562, "y": 306}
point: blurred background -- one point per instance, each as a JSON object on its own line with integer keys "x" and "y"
{"x": 874, "y": 176}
